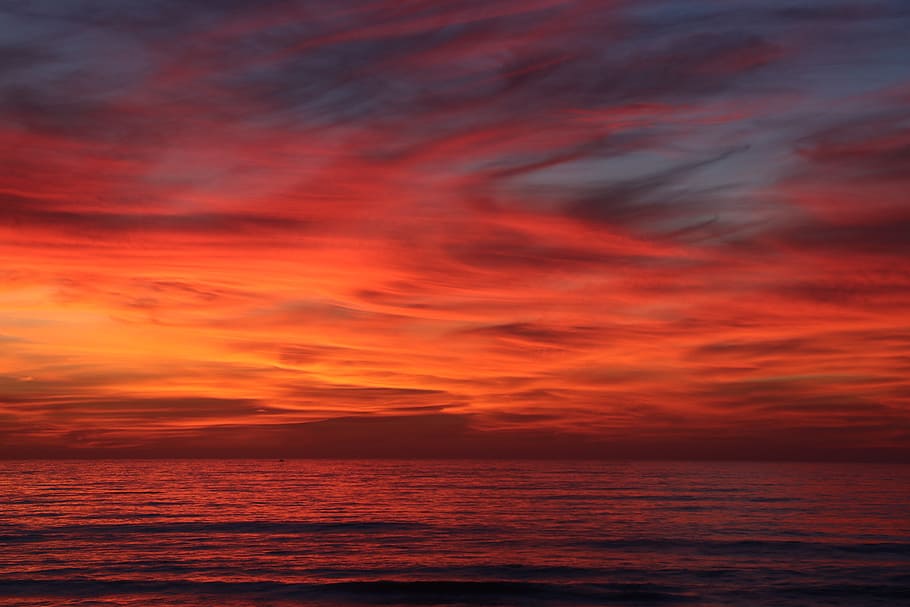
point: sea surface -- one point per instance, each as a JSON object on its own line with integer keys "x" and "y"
{"x": 269, "y": 533}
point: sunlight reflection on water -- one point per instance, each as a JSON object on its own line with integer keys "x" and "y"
{"x": 247, "y": 532}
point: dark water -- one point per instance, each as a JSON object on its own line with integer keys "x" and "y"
{"x": 232, "y": 533}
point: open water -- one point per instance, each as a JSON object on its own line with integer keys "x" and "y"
{"x": 339, "y": 533}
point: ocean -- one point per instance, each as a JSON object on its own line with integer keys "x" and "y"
{"x": 336, "y": 533}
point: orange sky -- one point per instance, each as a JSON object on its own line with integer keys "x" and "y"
{"x": 553, "y": 229}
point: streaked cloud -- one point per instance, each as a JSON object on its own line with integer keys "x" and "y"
{"x": 558, "y": 228}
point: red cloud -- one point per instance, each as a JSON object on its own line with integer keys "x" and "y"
{"x": 553, "y": 228}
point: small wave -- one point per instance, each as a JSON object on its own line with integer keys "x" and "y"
{"x": 752, "y": 547}
{"x": 445, "y": 591}
{"x": 894, "y": 548}
{"x": 22, "y": 538}
{"x": 414, "y": 592}
{"x": 204, "y": 527}
{"x": 840, "y": 591}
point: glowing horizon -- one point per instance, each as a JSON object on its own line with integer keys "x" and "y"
{"x": 551, "y": 228}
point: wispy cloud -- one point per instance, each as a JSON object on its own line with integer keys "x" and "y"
{"x": 560, "y": 227}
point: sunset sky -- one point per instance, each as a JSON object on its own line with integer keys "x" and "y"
{"x": 535, "y": 228}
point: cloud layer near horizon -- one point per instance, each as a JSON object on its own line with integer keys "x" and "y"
{"x": 553, "y": 228}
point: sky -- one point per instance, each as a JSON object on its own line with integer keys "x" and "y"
{"x": 406, "y": 228}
